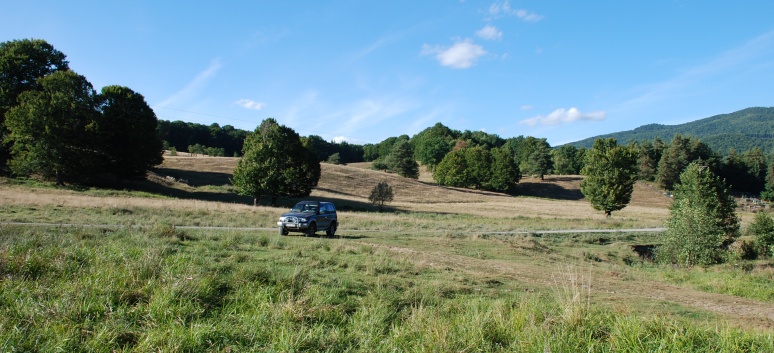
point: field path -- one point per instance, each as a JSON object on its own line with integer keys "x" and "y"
{"x": 607, "y": 288}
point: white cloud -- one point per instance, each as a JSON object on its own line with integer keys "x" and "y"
{"x": 489, "y": 33}
{"x": 526, "y": 107}
{"x": 564, "y": 116}
{"x": 461, "y": 55}
{"x": 340, "y": 139}
{"x": 504, "y": 9}
{"x": 250, "y": 104}
{"x": 528, "y": 16}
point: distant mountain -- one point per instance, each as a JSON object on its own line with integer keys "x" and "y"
{"x": 742, "y": 130}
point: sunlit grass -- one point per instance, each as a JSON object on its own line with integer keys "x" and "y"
{"x": 163, "y": 289}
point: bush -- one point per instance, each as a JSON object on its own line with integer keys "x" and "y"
{"x": 380, "y": 194}
{"x": 762, "y": 230}
{"x": 380, "y": 164}
{"x": 334, "y": 158}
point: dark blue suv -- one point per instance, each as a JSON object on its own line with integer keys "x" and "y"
{"x": 309, "y": 217}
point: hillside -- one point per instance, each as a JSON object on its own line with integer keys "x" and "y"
{"x": 350, "y": 185}
{"x": 741, "y": 130}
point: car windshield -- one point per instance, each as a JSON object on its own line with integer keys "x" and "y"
{"x": 305, "y": 208}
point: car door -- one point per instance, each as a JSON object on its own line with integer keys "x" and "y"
{"x": 323, "y": 220}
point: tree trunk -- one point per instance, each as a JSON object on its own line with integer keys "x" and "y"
{"x": 255, "y": 201}
{"x": 59, "y": 179}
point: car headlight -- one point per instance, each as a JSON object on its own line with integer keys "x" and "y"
{"x": 302, "y": 220}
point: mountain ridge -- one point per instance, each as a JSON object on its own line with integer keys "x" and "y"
{"x": 741, "y": 130}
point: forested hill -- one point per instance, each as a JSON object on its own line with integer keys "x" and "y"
{"x": 741, "y": 130}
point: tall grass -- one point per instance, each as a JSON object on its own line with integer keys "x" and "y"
{"x": 157, "y": 289}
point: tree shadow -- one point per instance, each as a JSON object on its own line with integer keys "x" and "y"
{"x": 177, "y": 192}
{"x": 547, "y": 189}
{"x": 196, "y": 178}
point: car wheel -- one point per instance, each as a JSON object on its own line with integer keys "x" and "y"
{"x": 331, "y": 230}
{"x": 282, "y": 230}
{"x": 312, "y": 229}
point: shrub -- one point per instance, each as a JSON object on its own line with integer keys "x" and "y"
{"x": 380, "y": 164}
{"x": 380, "y": 194}
{"x": 334, "y": 158}
{"x": 762, "y": 230}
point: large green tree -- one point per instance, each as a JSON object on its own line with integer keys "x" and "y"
{"x": 127, "y": 128}
{"x": 505, "y": 172}
{"x": 274, "y": 163}
{"x": 22, "y": 63}
{"x": 702, "y": 221}
{"x": 453, "y": 170}
{"x": 477, "y": 167}
{"x": 53, "y": 131}
{"x": 611, "y": 172}
{"x": 432, "y": 144}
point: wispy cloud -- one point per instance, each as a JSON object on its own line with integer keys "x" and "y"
{"x": 189, "y": 92}
{"x": 564, "y": 116}
{"x": 250, "y": 104}
{"x": 462, "y": 55}
{"x": 736, "y": 60}
{"x": 301, "y": 106}
{"x": 489, "y": 32}
{"x": 504, "y": 9}
{"x": 369, "y": 112}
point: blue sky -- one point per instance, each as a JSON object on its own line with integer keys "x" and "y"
{"x": 363, "y": 71}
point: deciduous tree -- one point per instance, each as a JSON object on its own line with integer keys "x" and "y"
{"x": 22, "y": 63}
{"x": 478, "y": 168}
{"x": 452, "y": 171}
{"x": 127, "y": 128}
{"x": 611, "y": 172}
{"x": 54, "y": 130}
{"x": 433, "y": 143}
{"x": 505, "y": 172}
{"x": 274, "y": 163}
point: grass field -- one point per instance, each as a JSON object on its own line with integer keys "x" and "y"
{"x": 441, "y": 271}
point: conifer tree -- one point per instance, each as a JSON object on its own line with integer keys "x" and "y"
{"x": 702, "y": 221}
{"x": 401, "y": 160}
